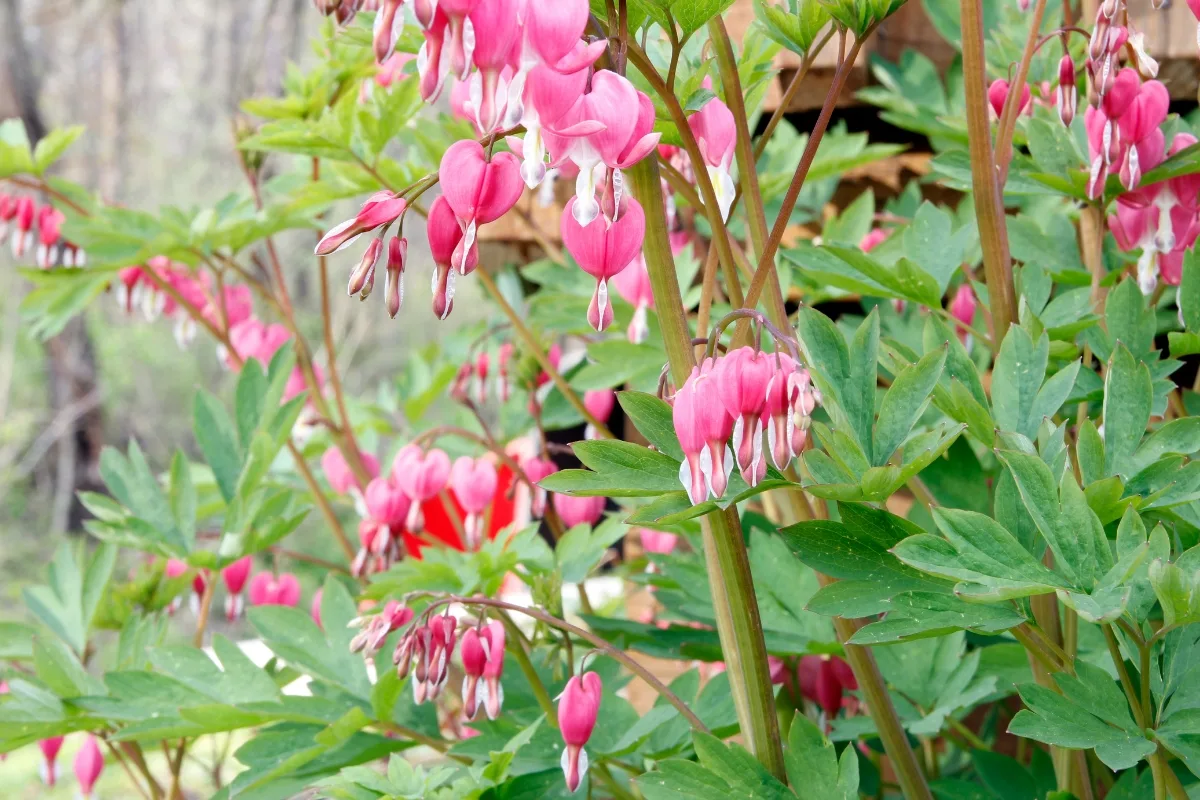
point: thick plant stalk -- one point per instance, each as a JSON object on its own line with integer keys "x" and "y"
{"x": 766, "y": 259}
{"x": 736, "y": 607}
{"x": 747, "y": 172}
{"x": 989, "y": 206}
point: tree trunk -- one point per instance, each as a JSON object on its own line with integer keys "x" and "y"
{"x": 73, "y": 394}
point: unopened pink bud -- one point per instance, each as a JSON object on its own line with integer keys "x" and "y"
{"x": 578, "y": 708}
{"x": 89, "y": 763}
{"x": 579, "y": 510}
{"x": 1067, "y": 92}
{"x": 362, "y": 279}
{"x": 394, "y": 290}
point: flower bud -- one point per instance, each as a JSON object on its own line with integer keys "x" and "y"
{"x": 394, "y": 290}
{"x": 362, "y": 279}
{"x": 1067, "y": 91}
{"x": 89, "y": 763}
{"x": 578, "y": 708}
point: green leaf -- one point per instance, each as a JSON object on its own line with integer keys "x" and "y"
{"x": 1053, "y": 394}
{"x": 182, "y": 497}
{"x": 1177, "y": 593}
{"x": 1090, "y": 449}
{"x": 795, "y": 25}
{"x": 618, "y": 469}
{"x": 1128, "y": 396}
{"x": 828, "y": 361}
{"x": 60, "y": 605}
{"x": 1180, "y": 733}
{"x": 692, "y": 15}
{"x": 743, "y": 773}
{"x": 915, "y": 615}
{"x": 1016, "y": 379}
{"x": 248, "y": 400}
{"x": 959, "y": 365}
{"x": 1183, "y": 344}
{"x": 1073, "y": 552}
{"x": 14, "y": 148}
{"x": 858, "y": 551}
{"x": 61, "y": 671}
{"x": 1189, "y": 293}
{"x": 652, "y": 417}
{"x": 858, "y": 393}
{"x": 931, "y": 241}
{"x": 582, "y": 548}
{"x": 904, "y": 403}
{"x": 1128, "y": 319}
{"x": 16, "y": 641}
{"x": 53, "y": 145}
{"x": 218, "y": 441}
{"x": 1055, "y": 720}
{"x": 979, "y": 550}
{"x": 292, "y": 635}
{"x": 812, "y": 764}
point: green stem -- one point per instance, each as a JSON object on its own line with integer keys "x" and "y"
{"x": 883, "y": 712}
{"x": 766, "y": 259}
{"x": 1174, "y": 787}
{"x": 1012, "y": 104}
{"x": 1114, "y": 650}
{"x": 989, "y": 206}
{"x": 606, "y": 777}
{"x": 734, "y": 602}
{"x": 747, "y": 171}
{"x": 708, "y": 193}
{"x": 527, "y": 669}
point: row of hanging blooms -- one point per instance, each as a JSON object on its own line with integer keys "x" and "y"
{"x": 532, "y": 71}
{"x": 37, "y": 230}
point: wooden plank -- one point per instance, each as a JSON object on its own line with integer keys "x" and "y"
{"x": 1171, "y": 39}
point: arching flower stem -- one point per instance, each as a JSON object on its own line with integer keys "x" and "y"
{"x": 599, "y": 643}
{"x": 535, "y": 348}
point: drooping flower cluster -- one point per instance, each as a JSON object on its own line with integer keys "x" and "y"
{"x": 265, "y": 588}
{"x": 20, "y": 216}
{"x": 1126, "y": 139}
{"x": 427, "y": 651}
{"x": 1162, "y": 220}
{"x": 739, "y": 395}
{"x": 519, "y": 63}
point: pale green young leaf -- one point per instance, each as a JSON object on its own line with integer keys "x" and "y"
{"x": 183, "y": 500}
{"x": 904, "y": 403}
{"x": 1128, "y": 396}
{"x": 218, "y": 440}
{"x": 53, "y": 145}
